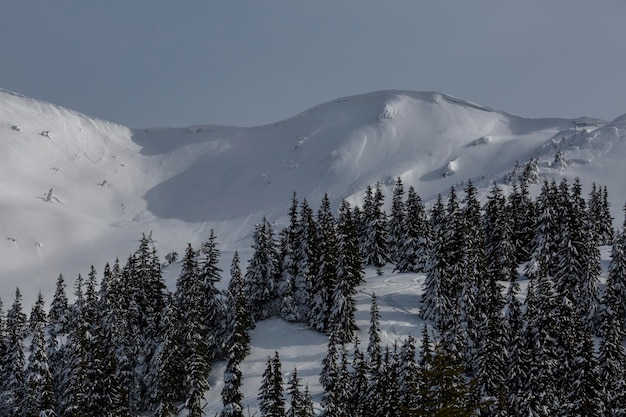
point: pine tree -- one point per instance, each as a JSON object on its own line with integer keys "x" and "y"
{"x": 415, "y": 236}
{"x": 214, "y": 310}
{"x": 237, "y": 312}
{"x": 612, "y": 356}
{"x": 40, "y": 393}
{"x": 170, "y": 374}
{"x": 585, "y": 398}
{"x": 375, "y": 247}
{"x": 521, "y": 209}
{"x": 13, "y": 361}
{"x": 441, "y": 291}
{"x": 271, "y": 401}
{"x": 600, "y": 215}
{"x": 305, "y": 258}
{"x": 445, "y": 392}
{"x": 374, "y": 349}
{"x": 287, "y": 308}
{"x": 75, "y": 384}
{"x": 37, "y": 314}
{"x": 259, "y": 280}
{"x": 332, "y": 399}
{"x": 191, "y": 323}
{"x": 358, "y": 382}
{"x": 294, "y": 387}
{"x": 238, "y": 342}
{"x": 395, "y": 224}
{"x": 473, "y": 302}
{"x": 540, "y": 396}
{"x": 408, "y": 375}
{"x": 322, "y": 287}
{"x": 517, "y": 355}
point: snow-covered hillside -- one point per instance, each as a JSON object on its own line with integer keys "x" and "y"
{"x": 78, "y": 191}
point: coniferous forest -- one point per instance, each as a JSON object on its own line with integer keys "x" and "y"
{"x": 126, "y": 346}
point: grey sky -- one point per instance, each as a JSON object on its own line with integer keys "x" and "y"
{"x": 164, "y": 63}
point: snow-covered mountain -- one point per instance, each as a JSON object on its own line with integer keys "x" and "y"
{"x": 78, "y": 191}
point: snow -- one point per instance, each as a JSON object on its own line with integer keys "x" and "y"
{"x": 111, "y": 183}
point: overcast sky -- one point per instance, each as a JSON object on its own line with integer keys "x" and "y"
{"x": 164, "y": 63}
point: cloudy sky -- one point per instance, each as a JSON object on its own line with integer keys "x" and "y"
{"x": 163, "y": 63}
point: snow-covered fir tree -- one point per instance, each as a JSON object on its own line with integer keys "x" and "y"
{"x": 323, "y": 285}
{"x": 271, "y": 401}
{"x": 259, "y": 280}
{"x": 395, "y": 223}
{"x": 375, "y": 246}
{"x": 415, "y": 236}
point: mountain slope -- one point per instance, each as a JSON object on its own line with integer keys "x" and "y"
{"x": 110, "y": 183}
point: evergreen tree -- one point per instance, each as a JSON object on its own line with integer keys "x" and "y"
{"x": 40, "y": 392}
{"x": 238, "y": 342}
{"x": 14, "y": 397}
{"x": 517, "y": 355}
{"x": 585, "y": 398}
{"x": 259, "y": 280}
{"x": 544, "y": 246}
{"x": 237, "y": 312}
{"x": 612, "y": 357}
{"x": 192, "y": 325}
{"x": 415, "y": 236}
{"x": 599, "y": 215}
{"x": 330, "y": 379}
{"x": 441, "y": 291}
{"x": 408, "y": 375}
{"x": 358, "y": 382}
{"x": 375, "y": 248}
{"x": 287, "y": 308}
{"x": 521, "y": 210}
{"x": 540, "y": 394}
{"x": 350, "y": 262}
{"x": 322, "y": 287}
{"x": 445, "y": 392}
{"x": 395, "y": 224}
{"x": 374, "y": 349}
{"x": 473, "y": 301}
{"x": 294, "y": 387}
{"x": 271, "y": 401}
{"x": 214, "y": 310}
{"x": 75, "y": 385}
{"x": 170, "y": 380}
{"x": 349, "y": 275}
{"x": 37, "y": 314}
{"x": 305, "y": 258}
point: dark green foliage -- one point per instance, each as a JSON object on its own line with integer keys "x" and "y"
{"x": 259, "y": 280}
{"x": 415, "y": 235}
{"x": 271, "y": 401}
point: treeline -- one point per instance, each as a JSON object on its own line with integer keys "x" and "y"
{"x": 126, "y": 346}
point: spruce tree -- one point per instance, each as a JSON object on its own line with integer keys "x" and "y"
{"x": 13, "y": 361}
{"x": 192, "y": 325}
{"x": 375, "y": 246}
{"x": 37, "y": 314}
{"x": 40, "y": 393}
{"x": 395, "y": 224}
{"x": 259, "y": 280}
{"x": 296, "y": 408}
{"x": 214, "y": 310}
{"x": 305, "y": 258}
{"x": 415, "y": 236}
{"x": 322, "y": 287}
{"x": 271, "y": 401}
